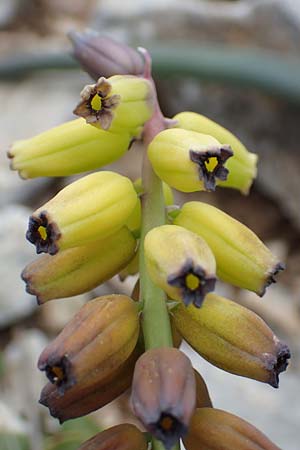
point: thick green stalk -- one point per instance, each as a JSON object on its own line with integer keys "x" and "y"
{"x": 156, "y": 323}
{"x": 155, "y": 319}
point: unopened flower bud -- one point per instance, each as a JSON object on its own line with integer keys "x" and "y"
{"x": 121, "y": 437}
{"x": 233, "y": 338}
{"x": 119, "y": 103}
{"x": 93, "y": 207}
{"x": 212, "y": 429}
{"x": 103, "y": 56}
{"x": 79, "y": 269}
{"x": 242, "y": 259}
{"x": 164, "y": 393}
{"x": 70, "y": 148}
{"x": 98, "y": 339}
{"x": 180, "y": 263}
{"x": 189, "y": 161}
{"x": 89, "y": 395}
{"x": 242, "y": 166}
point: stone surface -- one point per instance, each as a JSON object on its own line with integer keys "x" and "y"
{"x": 16, "y": 252}
{"x": 20, "y": 359}
{"x": 55, "y": 314}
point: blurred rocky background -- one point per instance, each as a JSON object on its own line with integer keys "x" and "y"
{"x": 237, "y": 62}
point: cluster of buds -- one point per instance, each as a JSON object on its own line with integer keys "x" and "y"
{"x": 104, "y": 224}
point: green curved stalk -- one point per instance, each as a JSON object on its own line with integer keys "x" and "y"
{"x": 265, "y": 70}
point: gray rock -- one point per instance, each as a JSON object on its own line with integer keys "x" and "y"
{"x": 20, "y": 359}
{"x": 16, "y": 252}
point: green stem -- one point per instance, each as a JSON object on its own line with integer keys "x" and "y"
{"x": 156, "y": 323}
{"x": 155, "y": 319}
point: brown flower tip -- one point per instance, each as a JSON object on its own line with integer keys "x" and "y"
{"x": 121, "y": 437}
{"x": 193, "y": 282}
{"x": 59, "y": 372}
{"x": 164, "y": 393}
{"x": 90, "y": 395}
{"x": 96, "y": 104}
{"x": 203, "y": 399}
{"x": 43, "y": 233}
{"x": 278, "y": 363}
{"x": 95, "y": 343}
{"x": 212, "y": 428}
{"x": 271, "y": 277}
{"x": 211, "y": 165}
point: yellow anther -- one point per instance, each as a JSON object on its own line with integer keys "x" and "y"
{"x": 43, "y": 232}
{"x": 192, "y": 282}
{"x": 211, "y": 163}
{"x": 96, "y": 103}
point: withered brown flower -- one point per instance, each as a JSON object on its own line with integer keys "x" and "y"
{"x": 164, "y": 393}
{"x": 95, "y": 343}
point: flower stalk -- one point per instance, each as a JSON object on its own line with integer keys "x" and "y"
{"x": 155, "y": 323}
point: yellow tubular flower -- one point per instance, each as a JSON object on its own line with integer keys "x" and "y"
{"x": 233, "y": 338}
{"x": 97, "y": 340}
{"x": 242, "y": 166}
{"x": 180, "y": 263}
{"x": 79, "y": 269}
{"x": 212, "y": 429}
{"x": 187, "y": 160}
{"x": 121, "y": 102}
{"x": 70, "y": 148}
{"x": 242, "y": 259}
{"x": 93, "y": 207}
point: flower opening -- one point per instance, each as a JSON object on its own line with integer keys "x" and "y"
{"x": 96, "y": 104}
